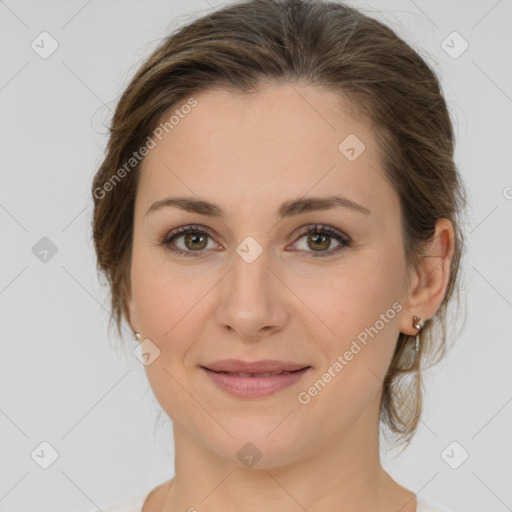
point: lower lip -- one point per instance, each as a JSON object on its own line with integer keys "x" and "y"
{"x": 254, "y": 387}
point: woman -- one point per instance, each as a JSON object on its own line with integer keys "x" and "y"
{"x": 278, "y": 218}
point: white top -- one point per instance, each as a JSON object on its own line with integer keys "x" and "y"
{"x": 135, "y": 505}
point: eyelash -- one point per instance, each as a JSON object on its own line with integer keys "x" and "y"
{"x": 344, "y": 240}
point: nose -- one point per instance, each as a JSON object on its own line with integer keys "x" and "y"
{"x": 252, "y": 299}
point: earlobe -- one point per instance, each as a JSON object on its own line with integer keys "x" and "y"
{"x": 432, "y": 275}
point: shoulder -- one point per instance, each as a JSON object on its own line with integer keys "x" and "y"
{"x": 132, "y": 505}
{"x": 423, "y": 506}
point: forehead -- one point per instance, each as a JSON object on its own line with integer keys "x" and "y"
{"x": 277, "y": 144}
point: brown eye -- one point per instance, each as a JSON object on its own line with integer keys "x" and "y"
{"x": 318, "y": 239}
{"x": 186, "y": 240}
{"x": 195, "y": 241}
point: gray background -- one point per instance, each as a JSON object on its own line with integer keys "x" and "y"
{"x": 61, "y": 380}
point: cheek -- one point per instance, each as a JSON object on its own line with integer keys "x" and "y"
{"x": 164, "y": 297}
{"x": 172, "y": 307}
{"x": 362, "y": 308}
{"x": 166, "y": 303}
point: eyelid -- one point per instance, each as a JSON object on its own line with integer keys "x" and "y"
{"x": 311, "y": 228}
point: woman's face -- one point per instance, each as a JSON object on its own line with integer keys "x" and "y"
{"x": 251, "y": 284}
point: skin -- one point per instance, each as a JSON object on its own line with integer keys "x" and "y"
{"x": 248, "y": 155}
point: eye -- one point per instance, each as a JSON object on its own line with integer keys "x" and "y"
{"x": 195, "y": 239}
{"x": 318, "y": 237}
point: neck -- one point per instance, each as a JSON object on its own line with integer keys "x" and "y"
{"x": 343, "y": 473}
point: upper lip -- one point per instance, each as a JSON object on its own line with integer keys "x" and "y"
{"x": 263, "y": 366}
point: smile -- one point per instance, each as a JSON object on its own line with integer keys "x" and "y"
{"x": 254, "y": 385}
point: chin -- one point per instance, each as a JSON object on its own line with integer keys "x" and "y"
{"x": 258, "y": 443}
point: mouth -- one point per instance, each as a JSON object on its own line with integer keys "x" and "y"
{"x": 264, "y": 366}
{"x": 266, "y": 374}
{"x": 255, "y": 385}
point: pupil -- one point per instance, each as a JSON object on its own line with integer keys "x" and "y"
{"x": 322, "y": 237}
{"x": 194, "y": 238}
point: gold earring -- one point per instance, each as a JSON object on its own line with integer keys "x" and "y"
{"x": 138, "y": 337}
{"x": 418, "y": 322}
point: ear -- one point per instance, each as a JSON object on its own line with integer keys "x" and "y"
{"x": 430, "y": 279}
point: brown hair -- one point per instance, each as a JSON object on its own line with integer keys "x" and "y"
{"x": 242, "y": 47}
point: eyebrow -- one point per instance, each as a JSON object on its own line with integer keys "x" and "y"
{"x": 287, "y": 209}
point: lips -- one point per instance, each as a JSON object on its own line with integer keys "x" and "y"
{"x": 267, "y": 374}
{"x": 257, "y": 379}
{"x": 266, "y": 367}
{"x": 255, "y": 385}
